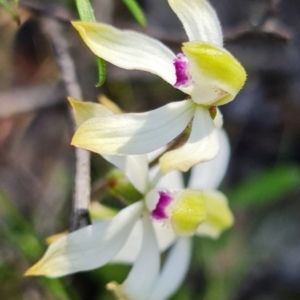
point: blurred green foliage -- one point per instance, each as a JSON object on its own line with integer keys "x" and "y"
{"x": 136, "y": 11}
{"x": 11, "y": 7}
{"x": 20, "y": 238}
{"x": 265, "y": 187}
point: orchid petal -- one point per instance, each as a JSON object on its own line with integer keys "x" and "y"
{"x": 135, "y": 133}
{"x": 128, "y": 49}
{"x": 87, "y": 248}
{"x": 215, "y": 71}
{"x": 171, "y": 180}
{"x": 199, "y": 19}
{"x": 135, "y": 167}
{"x": 208, "y": 175}
{"x": 128, "y": 254}
{"x": 144, "y": 273}
{"x": 84, "y": 110}
{"x": 219, "y": 217}
{"x": 173, "y": 271}
{"x": 202, "y": 145}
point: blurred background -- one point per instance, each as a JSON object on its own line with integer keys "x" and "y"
{"x": 259, "y": 258}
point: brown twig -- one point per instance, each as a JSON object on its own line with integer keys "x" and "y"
{"x": 81, "y": 199}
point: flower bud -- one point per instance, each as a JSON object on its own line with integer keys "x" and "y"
{"x": 119, "y": 185}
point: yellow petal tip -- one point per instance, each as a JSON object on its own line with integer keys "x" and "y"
{"x": 34, "y": 270}
{"x": 52, "y": 238}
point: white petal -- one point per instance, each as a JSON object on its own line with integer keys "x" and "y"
{"x": 174, "y": 270}
{"x": 128, "y": 49}
{"x": 131, "y": 249}
{"x": 144, "y": 273}
{"x": 135, "y": 133}
{"x": 199, "y": 19}
{"x": 164, "y": 234}
{"x": 202, "y": 145}
{"x": 135, "y": 167}
{"x": 172, "y": 180}
{"x": 128, "y": 254}
{"x": 209, "y": 175}
{"x": 88, "y": 248}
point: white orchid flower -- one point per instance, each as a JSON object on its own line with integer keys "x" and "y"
{"x": 205, "y": 71}
{"x": 166, "y": 282}
{"x": 205, "y": 177}
{"x": 135, "y": 235}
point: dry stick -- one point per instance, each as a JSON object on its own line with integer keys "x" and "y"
{"x": 81, "y": 198}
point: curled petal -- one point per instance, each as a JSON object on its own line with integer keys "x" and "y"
{"x": 219, "y": 217}
{"x": 208, "y": 175}
{"x": 87, "y": 248}
{"x": 199, "y": 19}
{"x": 202, "y": 145}
{"x": 144, "y": 273}
{"x": 135, "y": 133}
{"x": 215, "y": 71}
{"x": 128, "y": 49}
{"x": 173, "y": 271}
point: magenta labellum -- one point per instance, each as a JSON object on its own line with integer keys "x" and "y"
{"x": 181, "y": 68}
{"x": 160, "y": 213}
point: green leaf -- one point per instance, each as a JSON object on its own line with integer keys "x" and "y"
{"x": 101, "y": 71}
{"x": 86, "y": 13}
{"x": 85, "y": 10}
{"x": 267, "y": 187}
{"x": 136, "y": 11}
